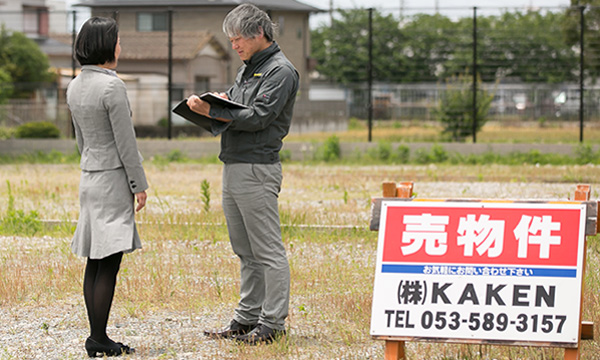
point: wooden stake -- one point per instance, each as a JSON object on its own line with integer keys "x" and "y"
{"x": 389, "y": 189}
{"x": 582, "y": 193}
{"x": 405, "y": 190}
{"x": 395, "y": 350}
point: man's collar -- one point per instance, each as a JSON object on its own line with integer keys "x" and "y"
{"x": 263, "y": 54}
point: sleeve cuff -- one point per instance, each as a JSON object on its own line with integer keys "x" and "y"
{"x": 217, "y": 127}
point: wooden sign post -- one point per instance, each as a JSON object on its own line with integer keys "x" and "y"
{"x": 480, "y": 271}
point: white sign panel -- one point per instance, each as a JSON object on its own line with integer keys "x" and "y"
{"x": 479, "y": 271}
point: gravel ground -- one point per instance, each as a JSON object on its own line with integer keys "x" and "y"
{"x": 59, "y": 333}
{"x": 32, "y": 332}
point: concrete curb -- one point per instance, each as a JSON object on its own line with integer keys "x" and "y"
{"x": 299, "y": 150}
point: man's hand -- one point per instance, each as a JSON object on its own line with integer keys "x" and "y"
{"x": 198, "y": 106}
{"x": 141, "y": 200}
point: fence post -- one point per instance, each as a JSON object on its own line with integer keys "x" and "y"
{"x": 170, "y": 71}
{"x": 370, "y": 74}
{"x": 474, "y": 109}
{"x": 581, "y": 59}
{"x": 73, "y": 65}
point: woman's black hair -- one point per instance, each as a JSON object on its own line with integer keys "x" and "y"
{"x": 96, "y": 41}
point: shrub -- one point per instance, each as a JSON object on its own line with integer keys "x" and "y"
{"x": 163, "y": 122}
{"x": 402, "y": 154}
{"x": 355, "y": 124}
{"x": 330, "y": 150}
{"x": 455, "y": 109}
{"x": 382, "y": 152}
{"x": 38, "y": 130}
{"x": 176, "y": 156}
{"x": 437, "y": 154}
{"x": 6, "y": 133}
{"x": 584, "y": 154}
{"x": 285, "y": 155}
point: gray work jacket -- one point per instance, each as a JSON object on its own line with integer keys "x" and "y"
{"x": 268, "y": 84}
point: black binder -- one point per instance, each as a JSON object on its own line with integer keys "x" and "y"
{"x": 204, "y": 122}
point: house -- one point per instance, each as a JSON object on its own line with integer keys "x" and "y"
{"x": 151, "y": 16}
{"x": 36, "y": 18}
{"x": 198, "y": 59}
{"x": 202, "y": 56}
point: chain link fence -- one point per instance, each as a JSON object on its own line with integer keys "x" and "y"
{"x": 535, "y": 65}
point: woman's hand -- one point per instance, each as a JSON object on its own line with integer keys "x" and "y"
{"x": 141, "y": 200}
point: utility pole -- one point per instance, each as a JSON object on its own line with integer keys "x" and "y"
{"x": 401, "y": 10}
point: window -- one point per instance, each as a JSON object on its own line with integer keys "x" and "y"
{"x": 35, "y": 21}
{"x": 201, "y": 84}
{"x": 177, "y": 92}
{"x": 281, "y": 25}
{"x": 152, "y": 22}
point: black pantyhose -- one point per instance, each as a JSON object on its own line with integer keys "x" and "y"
{"x": 98, "y": 290}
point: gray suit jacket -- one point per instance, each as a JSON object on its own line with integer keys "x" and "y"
{"x": 101, "y": 115}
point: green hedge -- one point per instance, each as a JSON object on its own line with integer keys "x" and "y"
{"x": 37, "y": 130}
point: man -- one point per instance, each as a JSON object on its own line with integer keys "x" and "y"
{"x": 250, "y": 143}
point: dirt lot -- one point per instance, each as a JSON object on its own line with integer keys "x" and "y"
{"x": 185, "y": 279}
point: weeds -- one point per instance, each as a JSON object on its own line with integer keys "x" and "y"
{"x": 39, "y": 157}
{"x": 330, "y": 150}
{"x": 187, "y": 267}
{"x": 19, "y": 222}
{"x": 205, "y": 196}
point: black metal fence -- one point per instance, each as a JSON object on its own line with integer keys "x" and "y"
{"x": 532, "y": 65}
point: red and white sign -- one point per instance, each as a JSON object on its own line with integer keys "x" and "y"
{"x": 499, "y": 271}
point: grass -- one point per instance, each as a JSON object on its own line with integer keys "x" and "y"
{"x": 492, "y": 132}
{"x": 187, "y": 270}
{"x": 187, "y": 266}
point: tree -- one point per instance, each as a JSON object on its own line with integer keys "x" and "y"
{"x": 24, "y": 63}
{"x": 431, "y": 42}
{"x": 571, "y": 28}
{"x": 455, "y": 108}
{"x": 527, "y": 47}
{"x": 341, "y": 50}
{"x": 6, "y": 86}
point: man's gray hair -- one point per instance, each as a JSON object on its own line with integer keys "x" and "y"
{"x": 248, "y": 21}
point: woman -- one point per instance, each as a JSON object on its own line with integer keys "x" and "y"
{"x": 111, "y": 175}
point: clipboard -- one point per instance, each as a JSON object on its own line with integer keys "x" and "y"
{"x": 205, "y": 122}
{"x": 213, "y": 99}
{"x": 184, "y": 111}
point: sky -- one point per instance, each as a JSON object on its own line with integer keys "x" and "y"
{"x": 431, "y": 4}
{"x": 450, "y": 8}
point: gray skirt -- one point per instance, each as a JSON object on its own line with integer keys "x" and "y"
{"x": 106, "y": 223}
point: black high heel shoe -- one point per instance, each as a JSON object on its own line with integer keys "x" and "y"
{"x": 95, "y": 349}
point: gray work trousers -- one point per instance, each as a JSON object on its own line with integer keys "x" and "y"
{"x": 250, "y": 193}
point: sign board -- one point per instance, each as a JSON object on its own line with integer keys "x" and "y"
{"x": 507, "y": 272}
